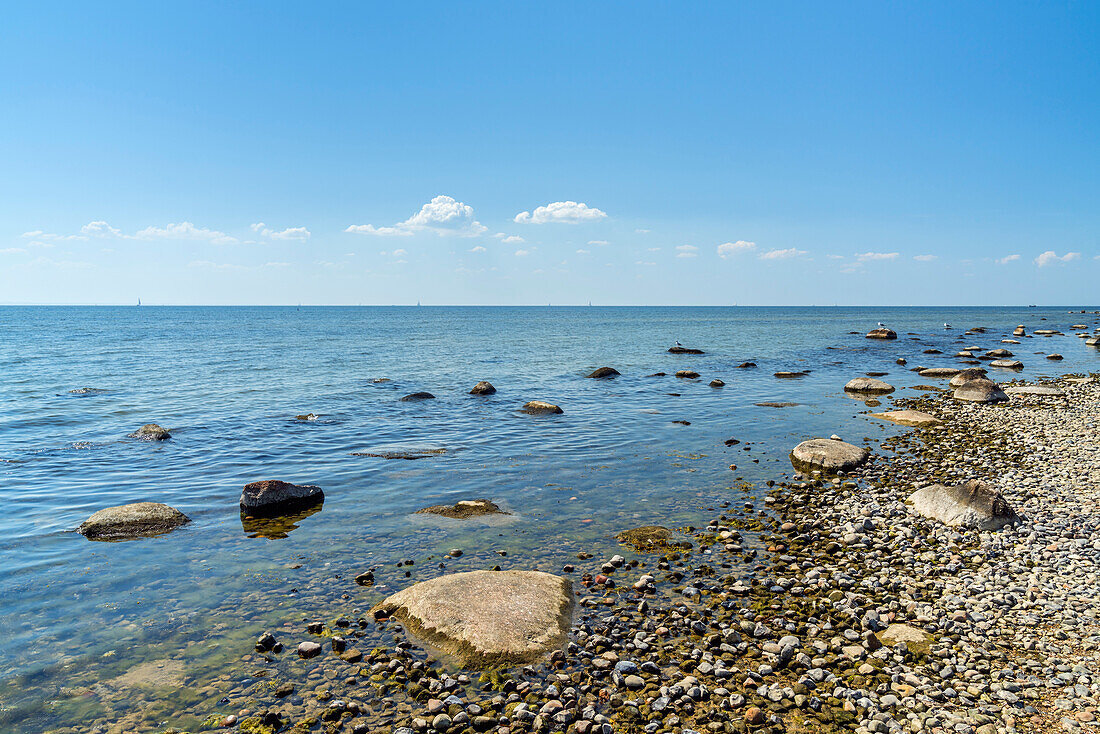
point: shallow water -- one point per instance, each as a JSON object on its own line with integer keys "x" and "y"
{"x": 228, "y": 383}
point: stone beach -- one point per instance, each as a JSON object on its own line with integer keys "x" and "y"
{"x": 832, "y": 607}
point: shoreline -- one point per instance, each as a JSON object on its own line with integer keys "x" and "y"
{"x": 787, "y": 636}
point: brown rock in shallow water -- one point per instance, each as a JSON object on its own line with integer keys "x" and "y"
{"x": 868, "y": 385}
{"x": 539, "y": 407}
{"x": 137, "y": 520}
{"x": 603, "y": 372}
{"x": 649, "y": 538}
{"x": 913, "y": 418}
{"x": 789, "y": 375}
{"x": 487, "y": 618}
{"x": 273, "y": 497}
{"x": 464, "y": 509}
{"x": 151, "y": 432}
{"x": 882, "y": 334}
{"x": 687, "y": 374}
{"x": 483, "y": 388}
{"x": 417, "y": 396}
{"x": 684, "y": 350}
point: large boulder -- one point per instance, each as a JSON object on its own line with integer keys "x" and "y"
{"x": 1019, "y": 331}
{"x": 1008, "y": 364}
{"x": 540, "y": 407}
{"x": 974, "y": 373}
{"x": 464, "y": 509}
{"x": 487, "y": 618}
{"x": 914, "y": 418}
{"x": 882, "y": 333}
{"x": 827, "y": 455}
{"x": 272, "y": 497}
{"x": 981, "y": 390}
{"x": 151, "y": 432}
{"x": 972, "y": 505}
{"x": 998, "y": 354}
{"x": 603, "y": 372}
{"x": 137, "y": 520}
{"x": 687, "y": 374}
{"x": 483, "y": 388}
{"x": 868, "y": 385}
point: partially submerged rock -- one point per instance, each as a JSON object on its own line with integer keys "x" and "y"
{"x": 487, "y": 618}
{"x": 1008, "y": 364}
{"x": 746, "y": 365}
{"x": 408, "y": 454}
{"x": 137, "y": 520}
{"x": 827, "y": 455}
{"x": 650, "y": 538}
{"x": 882, "y": 333}
{"x": 687, "y": 374}
{"x": 868, "y": 385}
{"x": 717, "y": 383}
{"x": 151, "y": 432}
{"x": 417, "y": 396}
{"x": 483, "y": 388}
{"x": 464, "y": 509}
{"x": 938, "y": 372}
{"x": 603, "y": 372}
{"x": 972, "y": 505}
{"x": 981, "y": 390}
{"x": 790, "y": 375}
{"x": 540, "y": 407}
{"x": 914, "y": 418}
{"x": 307, "y": 417}
{"x": 684, "y": 350}
{"x": 273, "y": 497}
{"x": 1046, "y": 390}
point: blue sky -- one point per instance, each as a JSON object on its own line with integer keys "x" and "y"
{"x": 482, "y": 153}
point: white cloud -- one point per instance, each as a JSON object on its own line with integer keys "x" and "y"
{"x": 687, "y": 251}
{"x": 443, "y": 215}
{"x": 643, "y": 231}
{"x": 1007, "y": 259}
{"x": 100, "y": 229}
{"x": 653, "y": 249}
{"x": 584, "y": 252}
{"x": 40, "y": 235}
{"x": 645, "y": 264}
{"x": 599, "y": 243}
{"x": 11, "y": 250}
{"x": 729, "y": 249}
{"x": 782, "y": 254}
{"x": 291, "y": 233}
{"x": 865, "y": 256}
{"x": 924, "y": 258}
{"x": 477, "y": 248}
{"x": 1050, "y": 256}
{"x": 399, "y": 252}
{"x": 835, "y": 257}
{"x": 523, "y": 253}
{"x": 570, "y": 212}
{"x": 184, "y": 231}
{"x": 514, "y": 239}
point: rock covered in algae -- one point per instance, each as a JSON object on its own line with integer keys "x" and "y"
{"x": 648, "y": 538}
{"x": 136, "y": 520}
{"x": 464, "y": 509}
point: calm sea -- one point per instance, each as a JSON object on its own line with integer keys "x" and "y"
{"x": 228, "y": 383}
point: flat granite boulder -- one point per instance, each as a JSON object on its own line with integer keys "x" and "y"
{"x": 917, "y": 640}
{"x": 868, "y": 385}
{"x": 1008, "y": 364}
{"x": 914, "y": 418}
{"x": 981, "y": 390}
{"x": 487, "y": 618}
{"x": 972, "y": 505}
{"x": 540, "y": 407}
{"x": 938, "y": 372}
{"x": 137, "y": 520}
{"x": 827, "y": 455}
{"x": 272, "y": 497}
{"x": 464, "y": 509}
{"x": 1035, "y": 390}
{"x": 974, "y": 373}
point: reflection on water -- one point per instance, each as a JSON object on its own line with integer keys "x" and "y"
{"x": 279, "y": 526}
{"x": 80, "y": 617}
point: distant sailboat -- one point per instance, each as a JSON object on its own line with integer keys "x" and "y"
{"x": 139, "y": 301}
